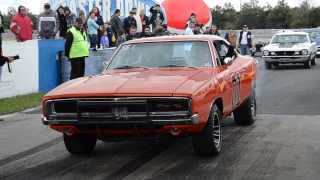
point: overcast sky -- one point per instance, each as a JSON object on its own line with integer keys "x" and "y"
{"x": 34, "y": 5}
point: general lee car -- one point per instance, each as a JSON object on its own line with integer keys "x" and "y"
{"x": 172, "y": 86}
{"x": 290, "y": 48}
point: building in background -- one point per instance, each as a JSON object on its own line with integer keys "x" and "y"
{"x": 107, "y": 7}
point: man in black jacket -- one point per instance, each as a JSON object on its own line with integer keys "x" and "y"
{"x": 116, "y": 23}
{"x": 157, "y": 18}
{"x": 245, "y": 41}
{"x": 129, "y": 22}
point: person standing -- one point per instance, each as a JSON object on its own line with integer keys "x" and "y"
{"x": 193, "y": 19}
{"x": 100, "y": 22}
{"x": 63, "y": 22}
{"x": 111, "y": 34}
{"x": 48, "y": 23}
{"x": 231, "y": 37}
{"x": 190, "y": 29}
{"x": 116, "y": 23}
{"x": 70, "y": 17}
{"x": 138, "y": 19}
{"x": 21, "y": 25}
{"x": 214, "y": 30}
{"x": 1, "y": 31}
{"x": 144, "y": 20}
{"x": 76, "y": 49}
{"x": 93, "y": 30}
{"x": 157, "y": 17}
{"x": 129, "y": 22}
{"x": 245, "y": 41}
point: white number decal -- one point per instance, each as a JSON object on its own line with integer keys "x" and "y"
{"x": 236, "y": 80}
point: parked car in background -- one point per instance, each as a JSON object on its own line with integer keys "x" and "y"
{"x": 290, "y": 48}
{"x": 174, "y": 85}
{"x": 315, "y": 37}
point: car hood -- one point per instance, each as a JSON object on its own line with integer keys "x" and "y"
{"x": 155, "y": 82}
{"x": 287, "y": 47}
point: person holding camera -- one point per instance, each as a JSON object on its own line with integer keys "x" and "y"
{"x": 4, "y": 59}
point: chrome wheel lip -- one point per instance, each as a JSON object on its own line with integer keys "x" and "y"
{"x": 216, "y": 131}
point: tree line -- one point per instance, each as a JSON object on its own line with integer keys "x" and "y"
{"x": 281, "y": 16}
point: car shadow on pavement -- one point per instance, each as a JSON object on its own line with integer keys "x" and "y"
{"x": 117, "y": 160}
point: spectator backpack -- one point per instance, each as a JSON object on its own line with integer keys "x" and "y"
{"x": 47, "y": 26}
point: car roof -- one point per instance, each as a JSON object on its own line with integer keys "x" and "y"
{"x": 291, "y": 33}
{"x": 176, "y": 38}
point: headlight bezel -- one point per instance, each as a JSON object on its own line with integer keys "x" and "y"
{"x": 266, "y": 53}
{"x": 304, "y": 52}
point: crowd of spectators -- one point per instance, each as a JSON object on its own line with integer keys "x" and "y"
{"x": 104, "y": 34}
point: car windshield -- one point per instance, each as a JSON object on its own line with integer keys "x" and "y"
{"x": 315, "y": 36}
{"x": 192, "y": 54}
{"x": 283, "y": 39}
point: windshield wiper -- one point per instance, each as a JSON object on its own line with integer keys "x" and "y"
{"x": 173, "y": 66}
{"x": 131, "y": 67}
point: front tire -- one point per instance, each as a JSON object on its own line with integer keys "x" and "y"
{"x": 313, "y": 62}
{"x": 246, "y": 114}
{"x": 268, "y": 65}
{"x": 209, "y": 141}
{"x": 79, "y": 143}
{"x": 307, "y": 64}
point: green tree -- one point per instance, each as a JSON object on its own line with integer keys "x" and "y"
{"x": 280, "y": 16}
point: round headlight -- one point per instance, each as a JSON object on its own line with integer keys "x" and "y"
{"x": 305, "y": 52}
{"x": 273, "y": 53}
{"x": 266, "y": 53}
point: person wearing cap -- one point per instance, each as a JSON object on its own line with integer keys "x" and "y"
{"x": 48, "y": 23}
{"x": 245, "y": 41}
{"x": 129, "y": 22}
{"x": 77, "y": 48}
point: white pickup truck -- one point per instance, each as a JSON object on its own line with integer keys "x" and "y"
{"x": 290, "y": 48}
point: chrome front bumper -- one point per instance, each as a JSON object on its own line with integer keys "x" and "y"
{"x": 193, "y": 120}
{"x": 286, "y": 59}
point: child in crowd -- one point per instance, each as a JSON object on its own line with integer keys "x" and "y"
{"x": 104, "y": 41}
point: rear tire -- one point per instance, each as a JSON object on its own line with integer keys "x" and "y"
{"x": 267, "y": 65}
{"x": 80, "y": 143}
{"x": 245, "y": 115}
{"x": 209, "y": 141}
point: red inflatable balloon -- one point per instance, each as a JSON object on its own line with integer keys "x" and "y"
{"x": 178, "y": 12}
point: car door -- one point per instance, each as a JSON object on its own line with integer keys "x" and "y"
{"x": 233, "y": 69}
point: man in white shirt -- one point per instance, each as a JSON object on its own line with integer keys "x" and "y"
{"x": 245, "y": 41}
{"x": 190, "y": 29}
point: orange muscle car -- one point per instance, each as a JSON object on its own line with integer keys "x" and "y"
{"x": 174, "y": 85}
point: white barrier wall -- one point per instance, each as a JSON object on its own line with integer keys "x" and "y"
{"x": 24, "y": 77}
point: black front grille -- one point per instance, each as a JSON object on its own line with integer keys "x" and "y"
{"x": 120, "y": 108}
{"x": 285, "y": 53}
{"x": 65, "y": 106}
